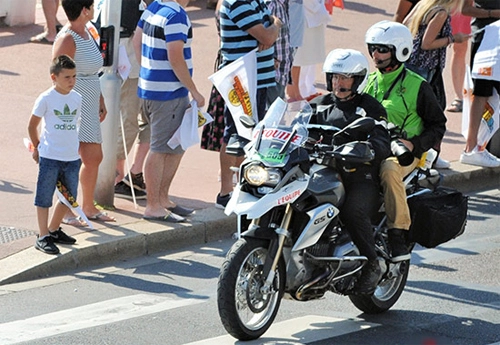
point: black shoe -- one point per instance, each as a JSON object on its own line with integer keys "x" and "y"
{"x": 137, "y": 181}
{"x": 46, "y": 245}
{"x": 398, "y": 245}
{"x": 59, "y": 236}
{"x": 221, "y": 201}
{"x": 370, "y": 276}
{"x": 123, "y": 191}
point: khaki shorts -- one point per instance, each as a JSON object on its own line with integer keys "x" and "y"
{"x": 135, "y": 126}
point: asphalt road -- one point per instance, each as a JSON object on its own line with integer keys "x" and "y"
{"x": 452, "y": 297}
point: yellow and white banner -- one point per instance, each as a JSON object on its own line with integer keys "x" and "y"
{"x": 487, "y": 59}
{"x": 237, "y": 84}
{"x": 490, "y": 118}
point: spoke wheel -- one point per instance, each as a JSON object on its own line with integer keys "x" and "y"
{"x": 387, "y": 292}
{"x": 245, "y": 308}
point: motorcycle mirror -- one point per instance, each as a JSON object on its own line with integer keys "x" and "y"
{"x": 247, "y": 121}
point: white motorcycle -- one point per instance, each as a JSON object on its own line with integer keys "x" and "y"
{"x": 295, "y": 244}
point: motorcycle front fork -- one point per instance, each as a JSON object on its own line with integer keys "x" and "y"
{"x": 276, "y": 249}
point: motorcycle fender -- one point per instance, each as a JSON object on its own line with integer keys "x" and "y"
{"x": 319, "y": 218}
{"x": 243, "y": 203}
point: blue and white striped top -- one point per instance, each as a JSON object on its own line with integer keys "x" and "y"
{"x": 161, "y": 23}
{"x": 237, "y": 16}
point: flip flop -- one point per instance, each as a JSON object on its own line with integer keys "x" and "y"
{"x": 171, "y": 218}
{"x": 74, "y": 221}
{"x": 40, "y": 40}
{"x": 102, "y": 217}
{"x": 181, "y": 211}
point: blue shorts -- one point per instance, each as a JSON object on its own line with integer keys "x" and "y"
{"x": 50, "y": 171}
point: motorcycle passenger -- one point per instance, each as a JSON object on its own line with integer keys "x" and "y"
{"x": 346, "y": 74}
{"x": 412, "y": 106}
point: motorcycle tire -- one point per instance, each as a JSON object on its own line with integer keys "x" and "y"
{"x": 245, "y": 311}
{"x": 386, "y": 294}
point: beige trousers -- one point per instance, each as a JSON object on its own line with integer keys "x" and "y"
{"x": 396, "y": 207}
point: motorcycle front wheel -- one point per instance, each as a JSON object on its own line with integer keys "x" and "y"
{"x": 246, "y": 311}
{"x": 386, "y": 294}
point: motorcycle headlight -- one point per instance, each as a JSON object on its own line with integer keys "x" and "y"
{"x": 257, "y": 175}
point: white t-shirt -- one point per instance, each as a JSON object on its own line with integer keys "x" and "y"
{"x": 59, "y": 131}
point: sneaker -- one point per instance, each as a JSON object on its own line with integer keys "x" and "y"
{"x": 441, "y": 163}
{"x": 137, "y": 181}
{"x": 480, "y": 158}
{"x": 60, "y": 236}
{"x": 398, "y": 245}
{"x": 123, "y": 191}
{"x": 222, "y": 201}
{"x": 46, "y": 245}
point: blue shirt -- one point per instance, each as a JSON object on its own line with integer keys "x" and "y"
{"x": 236, "y": 17}
{"x": 162, "y": 23}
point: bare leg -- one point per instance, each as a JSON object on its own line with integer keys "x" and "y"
{"x": 50, "y": 12}
{"x": 154, "y": 172}
{"x": 91, "y": 154}
{"x": 226, "y": 174}
{"x": 292, "y": 89}
{"x": 458, "y": 69}
{"x": 42, "y": 214}
{"x": 476, "y": 112}
{"x": 57, "y": 216}
{"x": 170, "y": 166}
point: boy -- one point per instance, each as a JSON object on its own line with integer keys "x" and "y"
{"x": 55, "y": 149}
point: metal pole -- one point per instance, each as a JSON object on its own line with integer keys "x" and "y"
{"x": 110, "y": 86}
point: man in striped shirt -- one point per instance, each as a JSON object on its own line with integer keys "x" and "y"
{"x": 244, "y": 26}
{"x": 163, "y": 42}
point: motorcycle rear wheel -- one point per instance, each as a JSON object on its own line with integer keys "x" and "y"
{"x": 245, "y": 311}
{"x": 386, "y": 294}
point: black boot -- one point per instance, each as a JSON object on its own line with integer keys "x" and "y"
{"x": 398, "y": 245}
{"x": 370, "y": 276}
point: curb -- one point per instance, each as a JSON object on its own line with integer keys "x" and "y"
{"x": 143, "y": 238}
{"x": 115, "y": 243}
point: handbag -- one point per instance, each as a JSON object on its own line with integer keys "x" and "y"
{"x": 437, "y": 217}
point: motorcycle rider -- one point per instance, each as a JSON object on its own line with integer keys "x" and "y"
{"x": 412, "y": 106}
{"x": 346, "y": 74}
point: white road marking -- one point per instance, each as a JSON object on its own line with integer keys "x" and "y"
{"x": 87, "y": 316}
{"x": 299, "y": 331}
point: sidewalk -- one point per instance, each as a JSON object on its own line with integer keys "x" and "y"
{"x": 24, "y": 74}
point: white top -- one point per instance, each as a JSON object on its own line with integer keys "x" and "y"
{"x": 60, "y": 122}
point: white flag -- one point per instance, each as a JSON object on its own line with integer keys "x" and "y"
{"x": 487, "y": 58}
{"x": 187, "y": 133}
{"x": 490, "y": 119}
{"x": 237, "y": 84}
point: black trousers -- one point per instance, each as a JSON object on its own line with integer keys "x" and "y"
{"x": 361, "y": 203}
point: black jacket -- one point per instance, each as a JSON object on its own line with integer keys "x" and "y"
{"x": 329, "y": 110}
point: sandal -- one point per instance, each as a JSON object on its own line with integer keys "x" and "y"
{"x": 74, "y": 221}
{"x": 456, "y": 106}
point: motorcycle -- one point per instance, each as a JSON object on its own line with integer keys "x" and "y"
{"x": 295, "y": 245}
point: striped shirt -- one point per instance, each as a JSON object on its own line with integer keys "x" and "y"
{"x": 161, "y": 23}
{"x": 236, "y": 17}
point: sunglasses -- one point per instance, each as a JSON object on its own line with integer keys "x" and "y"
{"x": 380, "y": 48}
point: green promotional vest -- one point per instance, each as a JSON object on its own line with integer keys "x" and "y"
{"x": 401, "y": 101}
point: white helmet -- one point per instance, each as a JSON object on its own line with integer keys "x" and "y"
{"x": 392, "y": 34}
{"x": 348, "y": 62}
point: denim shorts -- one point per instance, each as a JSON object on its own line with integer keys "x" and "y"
{"x": 50, "y": 171}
